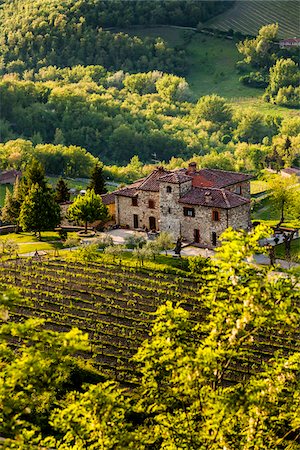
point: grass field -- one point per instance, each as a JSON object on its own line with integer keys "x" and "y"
{"x": 212, "y": 63}
{"x": 257, "y": 186}
{"x": 28, "y": 243}
{"x": 295, "y": 250}
{"x": 248, "y": 16}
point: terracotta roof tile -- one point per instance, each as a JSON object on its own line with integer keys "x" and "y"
{"x": 217, "y": 178}
{"x": 213, "y": 197}
{"x": 151, "y": 182}
{"x": 108, "y": 199}
{"x": 175, "y": 177}
{"x": 127, "y": 192}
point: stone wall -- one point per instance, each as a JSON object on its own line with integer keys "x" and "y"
{"x": 244, "y": 190}
{"x": 203, "y": 221}
{"x": 125, "y": 210}
{"x": 170, "y": 210}
{"x": 239, "y": 218}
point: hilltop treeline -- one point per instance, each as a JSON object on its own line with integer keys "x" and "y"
{"x": 38, "y": 33}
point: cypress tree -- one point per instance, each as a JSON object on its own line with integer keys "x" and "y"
{"x": 62, "y": 193}
{"x": 97, "y": 182}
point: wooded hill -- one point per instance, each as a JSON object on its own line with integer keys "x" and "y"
{"x": 38, "y": 33}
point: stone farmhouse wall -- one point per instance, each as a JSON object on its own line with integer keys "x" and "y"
{"x": 125, "y": 211}
{"x": 171, "y": 212}
{"x": 244, "y": 190}
{"x": 239, "y": 218}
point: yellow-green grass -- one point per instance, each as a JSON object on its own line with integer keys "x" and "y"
{"x": 257, "y": 186}
{"x": 161, "y": 262}
{"x": 249, "y": 16}
{"x": 295, "y": 250}
{"x": 27, "y": 242}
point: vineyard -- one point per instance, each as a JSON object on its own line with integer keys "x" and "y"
{"x": 116, "y": 306}
{"x": 248, "y": 16}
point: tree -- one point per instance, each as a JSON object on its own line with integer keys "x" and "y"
{"x": 184, "y": 394}
{"x": 34, "y": 375}
{"x": 213, "y": 108}
{"x": 165, "y": 241}
{"x": 172, "y": 88}
{"x": 251, "y": 127}
{"x": 39, "y": 210}
{"x": 62, "y": 193}
{"x": 283, "y": 195}
{"x": 12, "y": 205}
{"x": 284, "y": 88}
{"x": 88, "y": 208}
{"x": 97, "y": 181}
{"x": 260, "y": 51}
{"x": 34, "y": 174}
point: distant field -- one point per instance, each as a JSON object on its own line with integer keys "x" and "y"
{"x": 212, "y": 68}
{"x": 248, "y": 16}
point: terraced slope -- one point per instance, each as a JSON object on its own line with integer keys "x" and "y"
{"x": 115, "y": 306}
{"x": 248, "y": 16}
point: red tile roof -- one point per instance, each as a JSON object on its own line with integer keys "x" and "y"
{"x": 108, "y": 199}
{"x": 151, "y": 182}
{"x": 213, "y": 198}
{"x": 217, "y": 178}
{"x": 175, "y": 178}
{"x": 127, "y": 192}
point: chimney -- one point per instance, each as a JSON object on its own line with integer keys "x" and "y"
{"x": 192, "y": 168}
{"x": 207, "y": 196}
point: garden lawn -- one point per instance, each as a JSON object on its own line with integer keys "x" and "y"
{"x": 295, "y": 250}
{"x": 28, "y": 243}
{"x": 258, "y": 186}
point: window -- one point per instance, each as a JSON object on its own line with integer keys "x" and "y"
{"x": 189, "y": 212}
{"x": 134, "y": 201}
{"x": 215, "y": 216}
{"x": 151, "y": 204}
{"x": 238, "y": 190}
{"x": 169, "y": 189}
{"x": 169, "y": 210}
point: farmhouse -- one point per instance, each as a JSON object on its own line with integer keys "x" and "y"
{"x": 197, "y": 205}
{"x": 294, "y": 42}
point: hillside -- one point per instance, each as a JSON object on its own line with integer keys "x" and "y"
{"x": 248, "y": 16}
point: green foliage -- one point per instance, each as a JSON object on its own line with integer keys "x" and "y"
{"x": 260, "y": 51}
{"x": 251, "y": 128}
{"x": 172, "y": 88}
{"x": 88, "y": 208}
{"x": 284, "y": 196}
{"x": 213, "y": 108}
{"x": 39, "y": 210}
{"x": 104, "y": 241}
{"x": 135, "y": 240}
{"x": 184, "y": 398}
{"x": 97, "y": 182}
{"x": 165, "y": 241}
{"x": 71, "y": 161}
{"x": 62, "y": 192}
{"x": 12, "y": 204}
{"x": 284, "y": 83}
{"x": 69, "y": 34}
